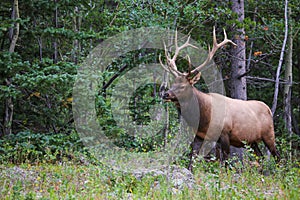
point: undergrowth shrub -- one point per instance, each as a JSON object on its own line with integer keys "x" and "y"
{"x": 29, "y": 147}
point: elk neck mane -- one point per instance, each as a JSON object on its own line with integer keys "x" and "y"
{"x": 197, "y": 110}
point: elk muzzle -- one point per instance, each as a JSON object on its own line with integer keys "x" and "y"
{"x": 169, "y": 96}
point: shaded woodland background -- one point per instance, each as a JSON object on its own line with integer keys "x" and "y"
{"x": 43, "y": 42}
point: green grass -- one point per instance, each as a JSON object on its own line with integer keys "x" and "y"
{"x": 70, "y": 181}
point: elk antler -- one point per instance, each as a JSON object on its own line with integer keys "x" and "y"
{"x": 171, "y": 62}
{"x": 211, "y": 53}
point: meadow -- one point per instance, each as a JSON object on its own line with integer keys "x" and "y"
{"x": 89, "y": 181}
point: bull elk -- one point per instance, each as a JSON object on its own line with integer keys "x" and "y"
{"x": 243, "y": 122}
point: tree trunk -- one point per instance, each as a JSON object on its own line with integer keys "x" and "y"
{"x": 77, "y": 25}
{"x": 287, "y": 92}
{"x": 8, "y": 105}
{"x": 55, "y": 22}
{"x": 162, "y": 89}
{"x": 238, "y": 59}
{"x": 281, "y": 57}
{"x": 16, "y": 30}
{"x": 288, "y": 87}
{"x": 238, "y": 63}
{"x": 8, "y": 112}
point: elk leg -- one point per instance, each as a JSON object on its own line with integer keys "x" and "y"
{"x": 257, "y": 151}
{"x": 225, "y": 147}
{"x": 270, "y": 144}
{"x": 269, "y": 141}
{"x": 196, "y": 144}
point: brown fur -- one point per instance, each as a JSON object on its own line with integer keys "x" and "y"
{"x": 237, "y": 123}
{"x": 247, "y": 122}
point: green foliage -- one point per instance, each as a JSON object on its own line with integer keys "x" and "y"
{"x": 28, "y": 147}
{"x": 86, "y": 182}
{"x": 41, "y": 87}
{"x": 43, "y": 92}
{"x": 140, "y": 105}
{"x": 141, "y": 102}
{"x": 10, "y": 64}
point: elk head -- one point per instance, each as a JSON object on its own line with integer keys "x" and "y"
{"x": 184, "y": 82}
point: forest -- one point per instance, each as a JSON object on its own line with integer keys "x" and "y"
{"x": 82, "y": 114}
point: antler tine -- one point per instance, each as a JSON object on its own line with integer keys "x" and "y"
{"x": 186, "y": 44}
{"x": 161, "y": 63}
{"x": 167, "y": 68}
{"x": 171, "y": 62}
{"x": 212, "y": 52}
{"x": 190, "y": 64}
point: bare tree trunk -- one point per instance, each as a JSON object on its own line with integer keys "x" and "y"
{"x": 251, "y": 44}
{"x": 281, "y": 58}
{"x": 238, "y": 63}
{"x": 9, "y": 106}
{"x": 15, "y": 15}
{"x": 287, "y": 93}
{"x": 288, "y": 87}
{"x": 296, "y": 116}
{"x": 55, "y": 20}
{"x": 8, "y": 113}
{"x": 162, "y": 90}
{"x": 40, "y": 42}
{"x": 77, "y": 24}
{"x": 238, "y": 59}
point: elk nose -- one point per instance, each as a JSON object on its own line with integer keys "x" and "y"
{"x": 166, "y": 95}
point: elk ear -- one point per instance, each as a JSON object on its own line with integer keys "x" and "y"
{"x": 193, "y": 80}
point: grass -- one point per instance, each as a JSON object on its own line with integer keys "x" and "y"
{"x": 70, "y": 181}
